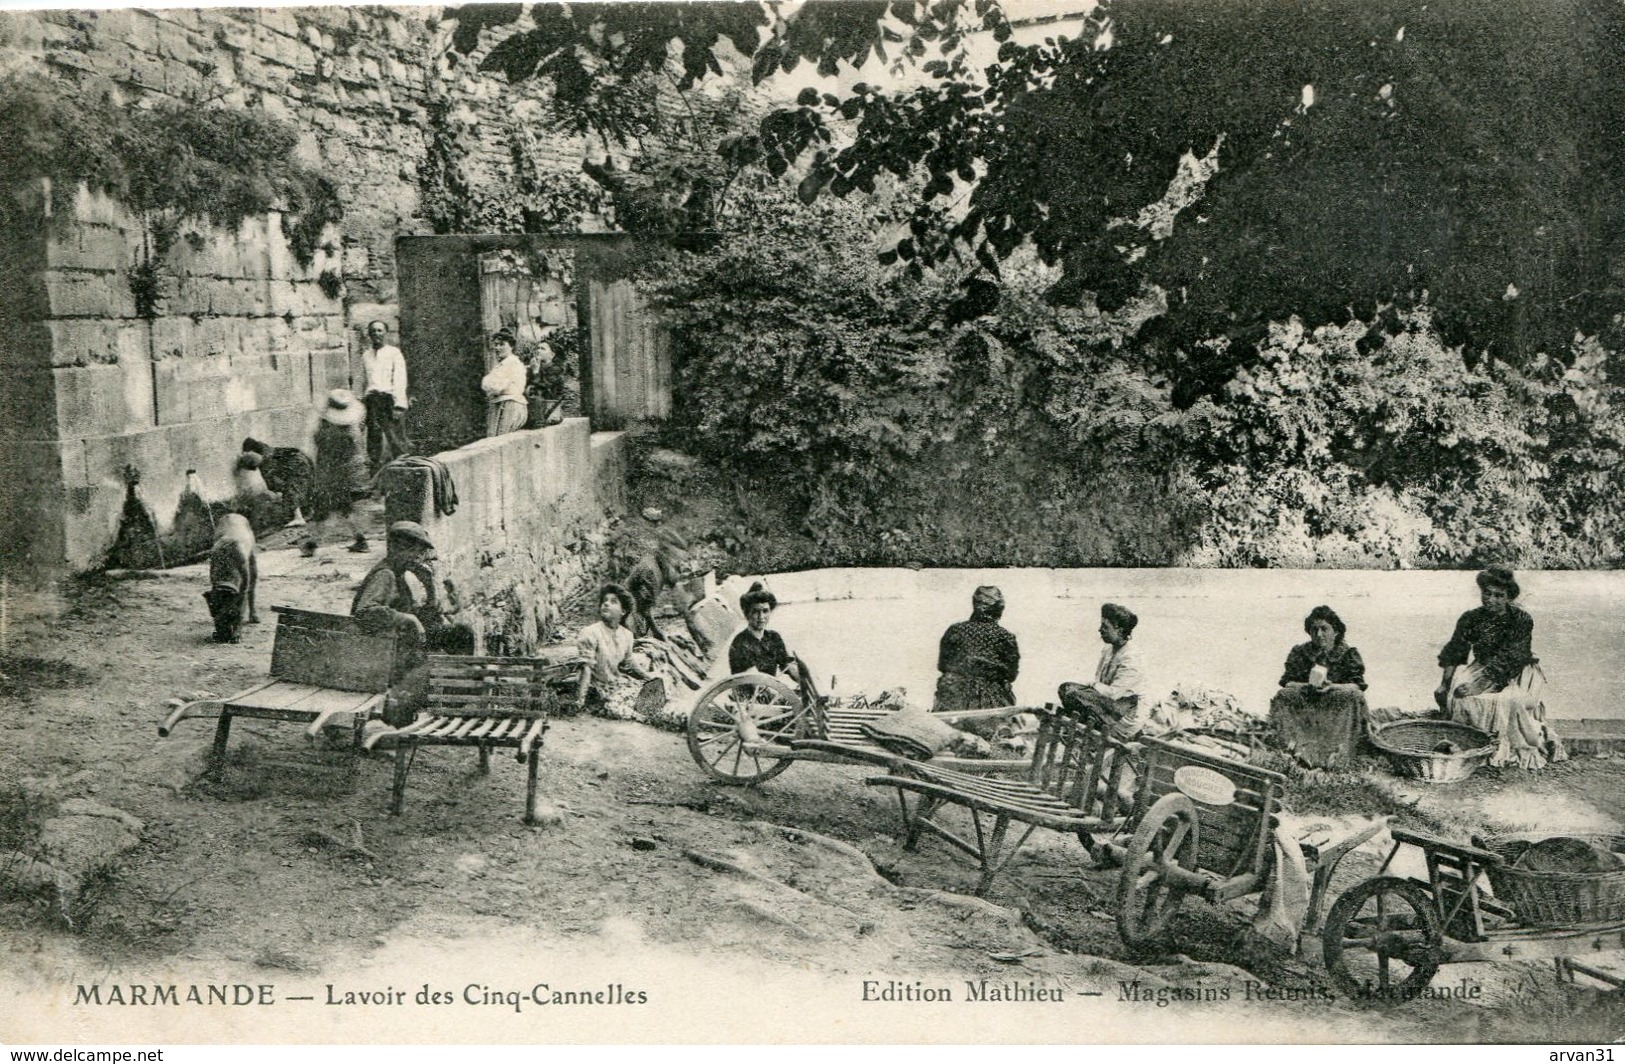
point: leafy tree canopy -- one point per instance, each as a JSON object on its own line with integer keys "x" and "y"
{"x": 1252, "y": 159}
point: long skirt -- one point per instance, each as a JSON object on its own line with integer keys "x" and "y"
{"x": 1515, "y": 715}
{"x": 505, "y": 416}
{"x": 1320, "y": 729}
{"x": 657, "y": 701}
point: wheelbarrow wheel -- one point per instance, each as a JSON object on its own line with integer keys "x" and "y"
{"x": 1148, "y": 891}
{"x": 1383, "y": 941}
{"x": 723, "y": 715}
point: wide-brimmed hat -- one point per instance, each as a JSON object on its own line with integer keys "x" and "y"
{"x": 343, "y": 408}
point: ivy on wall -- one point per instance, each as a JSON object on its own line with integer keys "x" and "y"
{"x": 166, "y": 163}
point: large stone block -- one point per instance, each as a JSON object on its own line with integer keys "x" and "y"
{"x": 24, "y": 347}
{"x": 27, "y": 405}
{"x": 182, "y": 80}
{"x": 87, "y": 341}
{"x": 102, "y": 400}
{"x": 33, "y": 505}
{"x": 100, "y": 248}
{"x": 146, "y": 71}
{"x": 98, "y": 208}
{"x": 174, "y": 41}
{"x": 22, "y": 32}
{"x": 85, "y": 294}
{"x": 279, "y": 19}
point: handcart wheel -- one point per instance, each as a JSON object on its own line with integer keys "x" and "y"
{"x": 716, "y": 729}
{"x": 1147, "y": 894}
{"x": 1383, "y": 941}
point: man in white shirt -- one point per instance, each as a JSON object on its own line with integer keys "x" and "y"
{"x": 385, "y": 396}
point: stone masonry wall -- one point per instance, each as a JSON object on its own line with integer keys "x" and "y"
{"x": 244, "y": 340}
{"x": 531, "y": 526}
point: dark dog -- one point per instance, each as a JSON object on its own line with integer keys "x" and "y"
{"x": 232, "y": 576}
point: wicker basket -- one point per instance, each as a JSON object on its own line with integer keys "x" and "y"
{"x": 1558, "y": 899}
{"x": 1412, "y": 745}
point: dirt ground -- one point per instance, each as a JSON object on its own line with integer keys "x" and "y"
{"x": 284, "y": 868}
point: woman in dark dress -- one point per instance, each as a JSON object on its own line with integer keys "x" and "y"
{"x": 1320, "y": 710}
{"x": 978, "y": 658}
{"x": 758, "y": 648}
{"x": 1491, "y": 678}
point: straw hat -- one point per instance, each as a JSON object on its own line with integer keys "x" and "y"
{"x": 343, "y": 408}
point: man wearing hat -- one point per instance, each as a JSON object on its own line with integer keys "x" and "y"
{"x": 387, "y": 600}
{"x": 385, "y": 396}
{"x": 1114, "y": 696}
{"x": 504, "y": 388}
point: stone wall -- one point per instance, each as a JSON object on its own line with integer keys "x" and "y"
{"x": 361, "y": 84}
{"x": 530, "y": 529}
{"x": 241, "y": 342}
{"x": 244, "y": 338}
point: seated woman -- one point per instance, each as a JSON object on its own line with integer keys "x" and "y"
{"x": 758, "y": 648}
{"x": 619, "y": 684}
{"x": 1113, "y": 697}
{"x": 1491, "y": 678}
{"x": 1320, "y": 710}
{"x": 978, "y": 658}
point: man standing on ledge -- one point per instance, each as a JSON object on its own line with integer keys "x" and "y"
{"x": 385, "y": 397}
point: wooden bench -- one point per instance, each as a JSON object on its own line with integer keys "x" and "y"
{"x": 322, "y": 666}
{"x": 1071, "y": 785}
{"x": 482, "y": 702}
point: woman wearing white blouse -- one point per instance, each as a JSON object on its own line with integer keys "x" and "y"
{"x": 504, "y": 387}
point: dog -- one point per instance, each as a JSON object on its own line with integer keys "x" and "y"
{"x": 233, "y": 574}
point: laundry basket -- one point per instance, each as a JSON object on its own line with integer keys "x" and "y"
{"x": 1414, "y": 747}
{"x": 1557, "y": 899}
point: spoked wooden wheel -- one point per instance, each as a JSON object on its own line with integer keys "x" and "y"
{"x": 726, "y": 715}
{"x": 1383, "y": 942}
{"x": 1150, "y": 889}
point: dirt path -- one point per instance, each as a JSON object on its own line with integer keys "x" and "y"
{"x": 744, "y": 914}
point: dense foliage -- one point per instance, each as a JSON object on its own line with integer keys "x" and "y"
{"x": 167, "y": 162}
{"x": 1046, "y": 435}
{"x": 1323, "y": 283}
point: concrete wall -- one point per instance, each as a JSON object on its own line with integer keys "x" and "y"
{"x": 531, "y": 526}
{"x": 242, "y": 341}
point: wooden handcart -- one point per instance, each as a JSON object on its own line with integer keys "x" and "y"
{"x": 484, "y": 702}
{"x": 323, "y": 668}
{"x": 1386, "y": 937}
{"x": 748, "y": 728}
{"x": 1071, "y": 785}
{"x": 1204, "y": 826}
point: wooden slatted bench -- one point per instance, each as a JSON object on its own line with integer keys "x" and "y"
{"x": 483, "y": 702}
{"x": 322, "y": 666}
{"x": 1071, "y": 785}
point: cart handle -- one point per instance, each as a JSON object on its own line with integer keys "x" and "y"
{"x": 1429, "y": 842}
